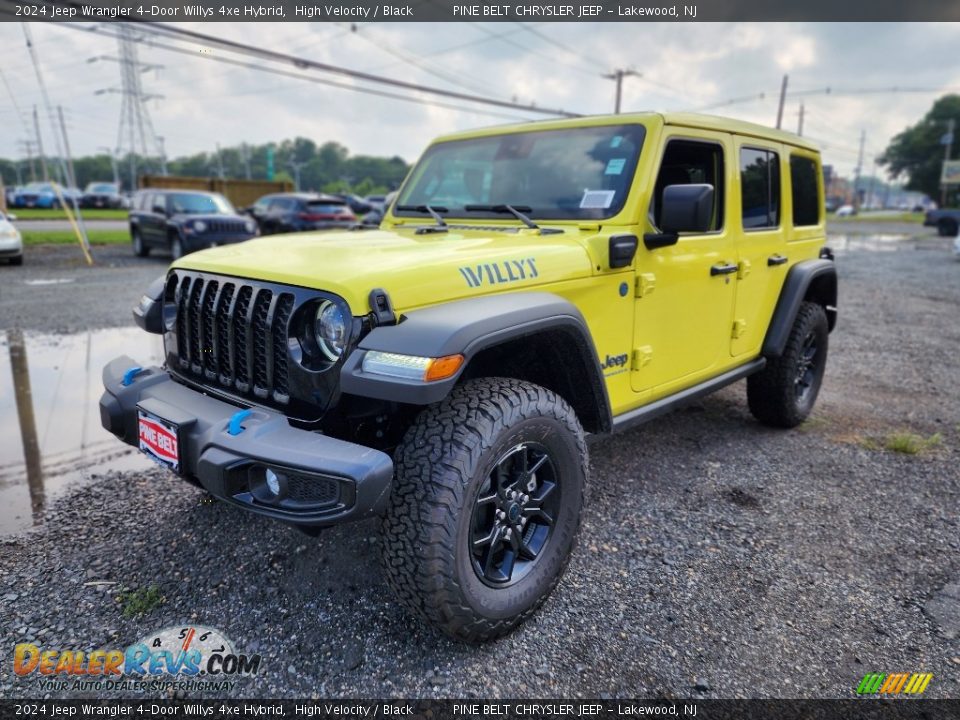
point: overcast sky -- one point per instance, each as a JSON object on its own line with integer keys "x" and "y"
{"x": 555, "y": 65}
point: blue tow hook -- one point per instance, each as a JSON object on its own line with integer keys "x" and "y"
{"x": 235, "y": 428}
{"x": 130, "y": 374}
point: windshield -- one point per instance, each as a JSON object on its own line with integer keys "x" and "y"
{"x": 191, "y": 204}
{"x": 108, "y": 188}
{"x": 582, "y": 173}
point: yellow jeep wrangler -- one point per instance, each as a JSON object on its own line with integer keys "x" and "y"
{"x": 530, "y": 285}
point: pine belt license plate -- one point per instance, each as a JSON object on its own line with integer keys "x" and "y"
{"x": 159, "y": 439}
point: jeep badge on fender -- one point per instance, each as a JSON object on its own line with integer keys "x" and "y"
{"x": 530, "y": 284}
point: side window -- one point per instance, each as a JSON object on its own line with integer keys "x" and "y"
{"x": 689, "y": 162}
{"x": 261, "y": 205}
{"x": 804, "y": 190}
{"x": 281, "y": 204}
{"x": 760, "y": 188}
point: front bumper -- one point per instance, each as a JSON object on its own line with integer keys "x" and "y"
{"x": 324, "y": 481}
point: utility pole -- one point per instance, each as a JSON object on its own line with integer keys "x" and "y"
{"x": 245, "y": 155}
{"x": 66, "y": 146}
{"x": 28, "y": 150}
{"x": 295, "y": 166}
{"x": 948, "y": 142}
{"x": 220, "y": 163}
{"x": 113, "y": 163}
{"x": 618, "y": 75}
{"x": 783, "y": 99}
{"x": 163, "y": 154}
{"x": 856, "y": 172}
{"x": 800, "y": 122}
{"x": 43, "y": 159}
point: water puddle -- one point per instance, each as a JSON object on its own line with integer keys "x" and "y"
{"x": 877, "y": 242}
{"x": 50, "y": 433}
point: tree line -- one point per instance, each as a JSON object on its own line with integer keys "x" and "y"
{"x": 324, "y": 168}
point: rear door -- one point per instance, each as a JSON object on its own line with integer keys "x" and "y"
{"x": 154, "y": 222}
{"x": 762, "y": 256}
{"x": 684, "y": 292}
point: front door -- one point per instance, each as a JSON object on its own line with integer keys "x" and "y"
{"x": 685, "y": 292}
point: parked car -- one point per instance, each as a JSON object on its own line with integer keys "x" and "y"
{"x": 182, "y": 221}
{"x": 101, "y": 195}
{"x": 9, "y": 192}
{"x": 846, "y": 211}
{"x": 72, "y": 197}
{"x": 956, "y": 247}
{"x": 945, "y": 221}
{"x": 11, "y": 243}
{"x": 375, "y": 201}
{"x": 375, "y": 216}
{"x": 35, "y": 195}
{"x": 300, "y": 212}
{"x": 531, "y": 284}
{"x": 356, "y": 203}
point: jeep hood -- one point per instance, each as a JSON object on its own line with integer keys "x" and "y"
{"x": 416, "y": 270}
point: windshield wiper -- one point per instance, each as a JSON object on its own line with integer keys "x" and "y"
{"x": 517, "y": 212}
{"x": 441, "y": 225}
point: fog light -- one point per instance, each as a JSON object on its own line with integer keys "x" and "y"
{"x": 273, "y": 481}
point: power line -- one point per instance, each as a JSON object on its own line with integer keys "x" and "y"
{"x": 308, "y": 78}
{"x": 306, "y": 64}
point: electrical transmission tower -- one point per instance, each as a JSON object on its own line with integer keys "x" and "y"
{"x": 135, "y": 133}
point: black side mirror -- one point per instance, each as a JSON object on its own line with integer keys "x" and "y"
{"x": 685, "y": 208}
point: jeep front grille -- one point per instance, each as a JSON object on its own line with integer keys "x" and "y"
{"x": 233, "y": 334}
{"x": 226, "y": 227}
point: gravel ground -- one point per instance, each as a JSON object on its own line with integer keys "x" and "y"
{"x": 717, "y": 558}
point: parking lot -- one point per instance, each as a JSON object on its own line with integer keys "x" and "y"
{"x": 717, "y": 558}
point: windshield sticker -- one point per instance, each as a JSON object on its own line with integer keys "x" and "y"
{"x": 615, "y": 166}
{"x": 615, "y": 141}
{"x": 597, "y": 199}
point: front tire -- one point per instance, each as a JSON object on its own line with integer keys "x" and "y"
{"x": 947, "y": 228}
{"x": 486, "y": 506}
{"x": 783, "y": 393}
{"x": 139, "y": 248}
{"x": 176, "y": 247}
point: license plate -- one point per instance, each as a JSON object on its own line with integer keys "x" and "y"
{"x": 159, "y": 439}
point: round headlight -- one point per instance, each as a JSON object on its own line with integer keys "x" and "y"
{"x": 331, "y": 330}
{"x": 199, "y": 225}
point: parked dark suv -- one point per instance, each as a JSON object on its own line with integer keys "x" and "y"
{"x": 182, "y": 221}
{"x": 101, "y": 195}
{"x": 300, "y": 212}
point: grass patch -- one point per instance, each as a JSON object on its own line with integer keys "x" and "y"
{"x": 872, "y": 217}
{"x": 141, "y": 601}
{"x": 910, "y": 443}
{"x": 62, "y": 237}
{"x": 56, "y": 214}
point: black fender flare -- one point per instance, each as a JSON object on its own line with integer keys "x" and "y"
{"x": 814, "y": 280}
{"x": 469, "y": 327}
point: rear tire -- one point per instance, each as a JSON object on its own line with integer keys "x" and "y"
{"x": 783, "y": 393}
{"x": 486, "y": 506}
{"x": 139, "y": 248}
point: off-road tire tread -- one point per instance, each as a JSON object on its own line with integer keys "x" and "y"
{"x": 433, "y": 467}
{"x": 770, "y": 391}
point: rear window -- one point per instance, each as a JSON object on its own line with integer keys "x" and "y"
{"x": 805, "y": 190}
{"x": 328, "y": 208}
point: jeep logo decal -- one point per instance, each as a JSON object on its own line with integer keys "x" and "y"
{"x": 614, "y": 361}
{"x": 500, "y": 272}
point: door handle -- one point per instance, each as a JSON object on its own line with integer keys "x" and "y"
{"x": 776, "y": 260}
{"x": 723, "y": 269}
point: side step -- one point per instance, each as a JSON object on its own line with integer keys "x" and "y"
{"x": 664, "y": 405}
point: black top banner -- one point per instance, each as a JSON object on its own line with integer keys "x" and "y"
{"x": 857, "y": 11}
